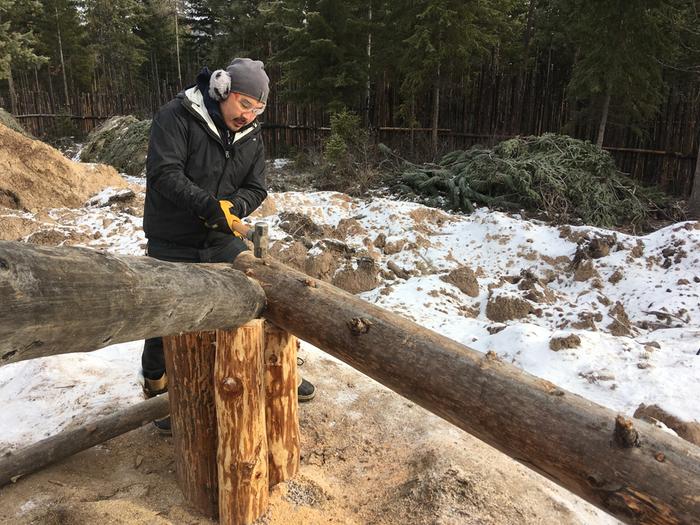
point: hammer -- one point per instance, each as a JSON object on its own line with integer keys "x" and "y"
{"x": 258, "y": 235}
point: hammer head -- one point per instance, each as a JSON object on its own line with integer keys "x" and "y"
{"x": 260, "y": 240}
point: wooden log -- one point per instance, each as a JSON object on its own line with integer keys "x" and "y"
{"x": 69, "y": 442}
{"x": 281, "y": 404}
{"x": 240, "y": 411}
{"x": 558, "y": 433}
{"x": 59, "y": 300}
{"x": 189, "y": 361}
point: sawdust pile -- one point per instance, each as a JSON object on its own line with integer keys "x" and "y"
{"x": 34, "y": 176}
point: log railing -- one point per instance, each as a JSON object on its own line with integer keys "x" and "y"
{"x": 627, "y": 467}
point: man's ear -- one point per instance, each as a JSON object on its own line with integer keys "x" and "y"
{"x": 219, "y": 85}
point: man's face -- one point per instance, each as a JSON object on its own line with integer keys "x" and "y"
{"x": 239, "y": 110}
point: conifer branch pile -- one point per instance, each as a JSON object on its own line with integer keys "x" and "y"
{"x": 563, "y": 177}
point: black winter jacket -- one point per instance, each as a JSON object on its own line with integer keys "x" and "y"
{"x": 188, "y": 164}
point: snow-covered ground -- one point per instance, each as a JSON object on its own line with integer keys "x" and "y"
{"x": 634, "y": 309}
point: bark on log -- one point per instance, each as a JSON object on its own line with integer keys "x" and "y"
{"x": 189, "y": 361}
{"x": 59, "y": 300}
{"x": 281, "y": 404}
{"x": 65, "y": 444}
{"x": 558, "y": 433}
{"x": 240, "y": 410}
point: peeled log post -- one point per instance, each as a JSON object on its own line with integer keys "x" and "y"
{"x": 189, "y": 361}
{"x": 240, "y": 411}
{"x": 281, "y": 404}
{"x": 59, "y": 300}
{"x": 69, "y": 442}
{"x": 558, "y": 433}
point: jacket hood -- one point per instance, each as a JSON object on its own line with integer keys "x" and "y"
{"x": 196, "y": 98}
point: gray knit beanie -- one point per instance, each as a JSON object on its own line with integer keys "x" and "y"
{"x": 242, "y": 75}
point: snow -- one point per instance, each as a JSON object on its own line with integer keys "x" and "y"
{"x": 605, "y": 368}
{"x": 280, "y": 163}
{"x": 656, "y": 363}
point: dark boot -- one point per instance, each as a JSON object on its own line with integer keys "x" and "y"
{"x": 305, "y": 391}
{"x": 155, "y": 387}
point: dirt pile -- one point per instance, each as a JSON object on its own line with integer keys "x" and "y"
{"x": 34, "y": 176}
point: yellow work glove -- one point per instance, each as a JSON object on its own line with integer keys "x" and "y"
{"x": 218, "y": 217}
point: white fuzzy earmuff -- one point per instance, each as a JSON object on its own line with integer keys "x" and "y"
{"x": 219, "y": 85}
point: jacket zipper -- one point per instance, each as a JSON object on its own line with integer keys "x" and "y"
{"x": 223, "y": 172}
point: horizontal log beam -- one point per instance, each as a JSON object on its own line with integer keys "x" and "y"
{"x": 630, "y": 469}
{"x": 65, "y": 444}
{"x": 60, "y": 300}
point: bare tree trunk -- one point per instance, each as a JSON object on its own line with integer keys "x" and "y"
{"x": 694, "y": 200}
{"x": 368, "y": 88}
{"x": 436, "y": 113}
{"x": 13, "y": 93}
{"x": 98, "y": 299}
{"x": 177, "y": 48}
{"x": 603, "y": 119}
{"x": 63, "y": 63}
{"x": 413, "y": 120}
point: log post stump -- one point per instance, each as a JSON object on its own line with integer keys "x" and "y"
{"x": 189, "y": 360}
{"x": 281, "y": 403}
{"x": 240, "y": 410}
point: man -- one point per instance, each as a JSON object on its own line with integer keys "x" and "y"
{"x": 205, "y": 171}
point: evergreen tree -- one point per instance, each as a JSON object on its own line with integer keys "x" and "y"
{"x": 161, "y": 33}
{"x": 323, "y": 52}
{"x": 442, "y": 38}
{"x": 223, "y": 30}
{"x": 17, "y": 40}
{"x": 620, "y": 47}
{"x": 119, "y": 51}
{"x": 62, "y": 38}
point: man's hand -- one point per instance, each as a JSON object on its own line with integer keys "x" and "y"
{"x": 218, "y": 217}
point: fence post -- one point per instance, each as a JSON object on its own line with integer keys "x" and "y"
{"x": 240, "y": 408}
{"x": 281, "y": 403}
{"x": 190, "y": 364}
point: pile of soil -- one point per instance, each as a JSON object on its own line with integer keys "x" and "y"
{"x": 35, "y": 177}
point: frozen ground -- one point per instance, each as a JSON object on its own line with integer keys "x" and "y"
{"x": 633, "y": 306}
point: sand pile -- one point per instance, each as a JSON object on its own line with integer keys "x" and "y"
{"x": 34, "y": 176}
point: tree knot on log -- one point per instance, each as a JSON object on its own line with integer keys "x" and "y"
{"x": 492, "y": 356}
{"x": 4, "y": 265}
{"x": 232, "y": 386}
{"x": 359, "y": 325}
{"x": 550, "y": 388}
{"x": 309, "y": 282}
{"x": 626, "y": 436}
